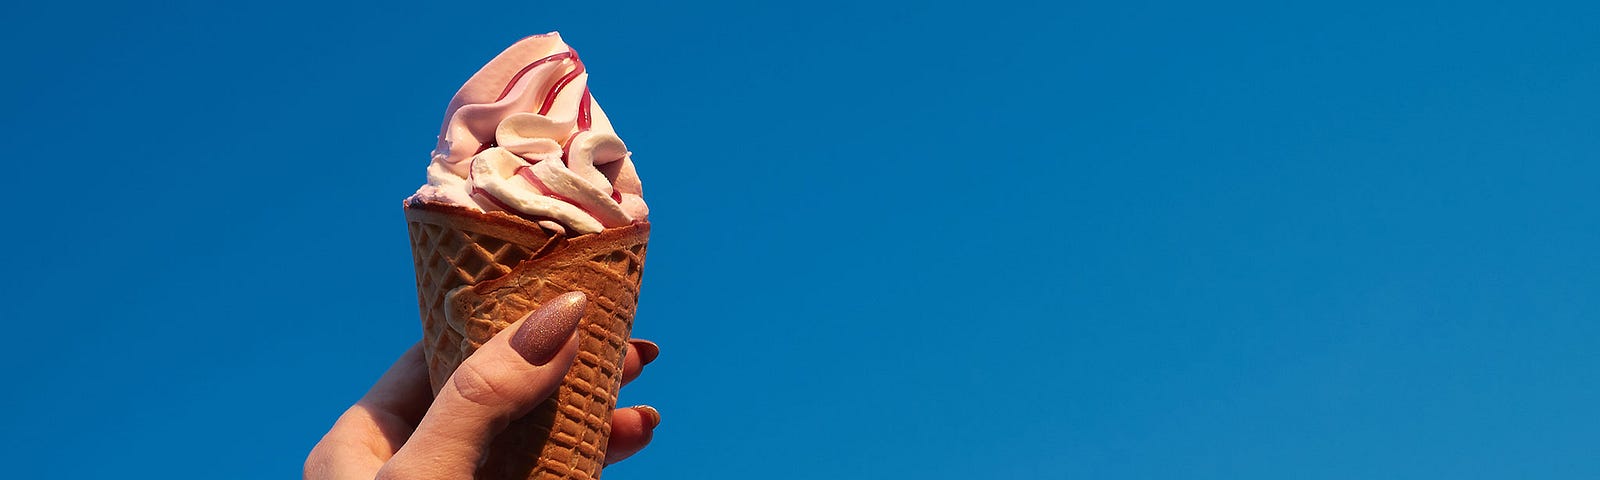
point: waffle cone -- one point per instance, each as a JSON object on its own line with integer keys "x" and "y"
{"x": 478, "y": 272}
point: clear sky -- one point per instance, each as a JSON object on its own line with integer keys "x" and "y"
{"x": 932, "y": 240}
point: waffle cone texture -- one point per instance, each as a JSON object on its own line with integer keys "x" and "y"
{"x": 479, "y": 272}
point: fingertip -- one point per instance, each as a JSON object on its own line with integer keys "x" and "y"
{"x": 647, "y": 350}
{"x": 651, "y": 416}
{"x": 640, "y": 353}
{"x": 631, "y": 430}
{"x": 546, "y": 330}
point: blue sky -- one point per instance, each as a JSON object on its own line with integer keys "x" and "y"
{"x": 992, "y": 240}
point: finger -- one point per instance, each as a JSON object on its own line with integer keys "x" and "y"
{"x": 403, "y": 393}
{"x": 369, "y": 432}
{"x": 640, "y": 353}
{"x": 631, "y": 430}
{"x": 503, "y": 380}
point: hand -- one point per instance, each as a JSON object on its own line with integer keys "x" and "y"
{"x": 399, "y": 430}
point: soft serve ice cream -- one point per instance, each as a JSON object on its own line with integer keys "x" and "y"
{"x": 525, "y": 137}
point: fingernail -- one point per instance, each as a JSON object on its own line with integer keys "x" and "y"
{"x": 651, "y": 416}
{"x": 645, "y": 349}
{"x": 547, "y": 329}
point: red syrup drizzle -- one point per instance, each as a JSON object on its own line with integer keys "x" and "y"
{"x": 536, "y": 63}
{"x": 481, "y": 193}
{"x": 526, "y": 172}
{"x": 561, "y": 84}
{"x": 484, "y": 194}
{"x": 584, "y": 119}
{"x": 585, "y": 123}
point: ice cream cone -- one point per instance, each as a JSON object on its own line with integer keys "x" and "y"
{"x": 478, "y": 272}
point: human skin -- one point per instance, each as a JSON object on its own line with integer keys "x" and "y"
{"x": 401, "y": 430}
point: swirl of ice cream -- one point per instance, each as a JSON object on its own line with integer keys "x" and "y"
{"x": 525, "y": 136}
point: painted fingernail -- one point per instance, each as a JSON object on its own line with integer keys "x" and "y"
{"x": 651, "y": 416}
{"x": 645, "y": 349}
{"x": 544, "y": 331}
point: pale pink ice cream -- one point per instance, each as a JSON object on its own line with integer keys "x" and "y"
{"x": 524, "y": 136}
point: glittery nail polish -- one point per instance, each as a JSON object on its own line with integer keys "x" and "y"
{"x": 546, "y": 330}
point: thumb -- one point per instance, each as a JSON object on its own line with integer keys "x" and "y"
{"x": 503, "y": 380}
